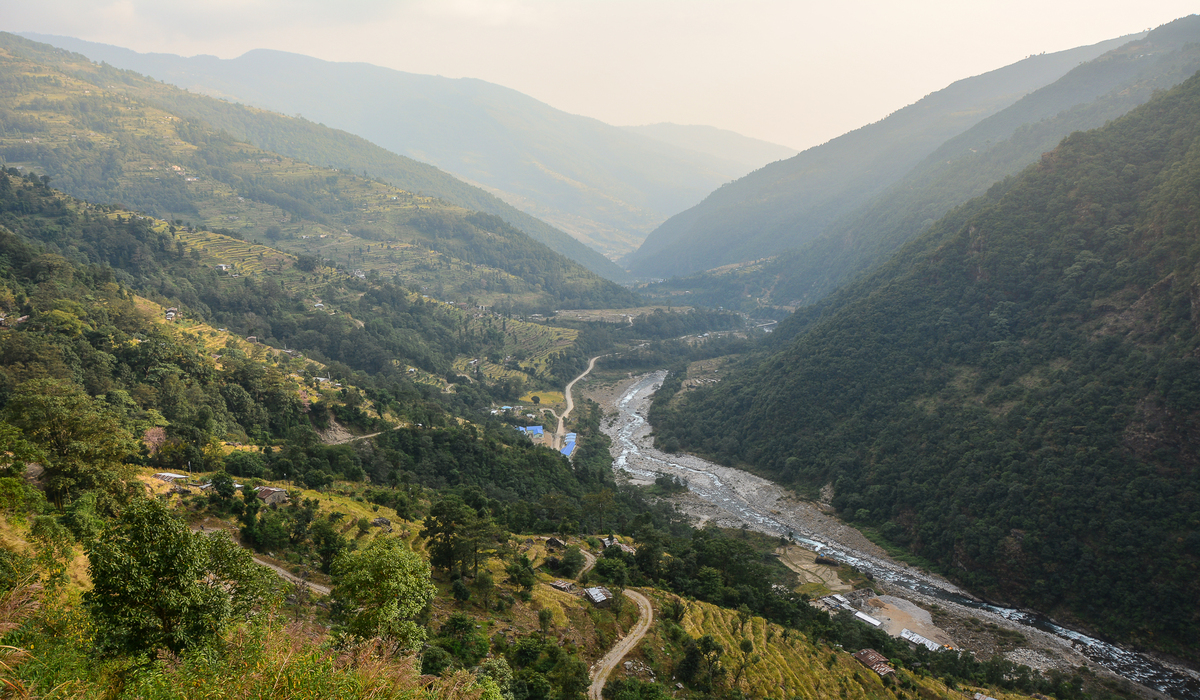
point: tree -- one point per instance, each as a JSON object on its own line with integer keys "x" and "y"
{"x": 447, "y": 527}
{"x": 223, "y": 484}
{"x": 572, "y": 561}
{"x": 80, "y": 438}
{"x": 545, "y": 618}
{"x": 156, "y": 584}
{"x": 484, "y": 586}
{"x": 378, "y": 591}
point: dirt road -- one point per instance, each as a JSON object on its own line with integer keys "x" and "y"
{"x": 605, "y": 665}
{"x": 589, "y": 559}
{"x": 287, "y": 575}
{"x": 558, "y": 434}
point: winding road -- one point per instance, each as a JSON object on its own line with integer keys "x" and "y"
{"x": 605, "y": 665}
{"x": 561, "y": 432}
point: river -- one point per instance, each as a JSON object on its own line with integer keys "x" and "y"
{"x": 739, "y": 495}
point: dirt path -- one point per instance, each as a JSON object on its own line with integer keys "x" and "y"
{"x": 282, "y": 572}
{"x": 605, "y": 665}
{"x": 590, "y": 561}
{"x": 803, "y": 562}
{"x": 287, "y": 575}
{"x": 558, "y": 434}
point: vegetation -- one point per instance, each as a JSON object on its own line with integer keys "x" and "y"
{"x": 963, "y": 167}
{"x": 103, "y": 145}
{"x": 1012, "y": 407}
{"x": 791, "y": 202}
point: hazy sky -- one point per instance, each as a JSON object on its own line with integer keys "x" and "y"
{"x": 796, "y": 73}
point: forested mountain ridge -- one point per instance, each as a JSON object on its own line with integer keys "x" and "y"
{"x": 1002, "y": 145}
{"x": 606, "y": 186}
{"x": 788, "y": 203}
{"x": 304, "y": 140}
{"x": 105, "y": 146}
{"x": 963, "y": 167}
{"x": 1014, "y": 395}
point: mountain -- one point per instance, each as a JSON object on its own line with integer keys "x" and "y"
{"x": 602, "y": 184}
{"x": 963, "y": 167}
{"x": 1015, "y": 395}
{"x": 1001, "y": 145}
{"x": 299, "y": 138}
{"x": 786, "y": 204}
{"x": 747, "y": 153}
{"x": 103, "y": 143}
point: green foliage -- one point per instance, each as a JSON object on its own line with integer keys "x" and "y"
{"x": 790, "y": 202}
{"x": 379, "y": 590}
{"x": 157, "y": 585}
{"x": 81, "y": 440}
{"x": 1004, "y": 396}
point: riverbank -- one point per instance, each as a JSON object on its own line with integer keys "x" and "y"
{"x": 731, "y": 497}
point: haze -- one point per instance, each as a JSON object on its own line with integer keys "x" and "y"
{"x": 795, "y": 73}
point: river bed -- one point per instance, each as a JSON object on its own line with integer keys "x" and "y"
{"x": 734, "y": 497}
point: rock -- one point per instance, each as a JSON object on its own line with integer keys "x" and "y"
{"x": 628, "y": 665}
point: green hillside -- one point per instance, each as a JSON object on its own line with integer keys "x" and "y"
{"x": 604, "y": 185}
{"x": 963, "y": 167}
{"x": 791, "y": 202}
{"x": 305, "y": 140}
{"x": 1001, "y": 145}
{"x": 103, "y": 145}
{"x": 1012, "y": 395}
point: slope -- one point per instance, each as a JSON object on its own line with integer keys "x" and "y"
{"x": 748, "y": 153}
{"x": 788, "y": 203}
{"x": 1001, "y": 145}
{"x": 604, "y": 185}
{"x": 1014, "y": 395}
{"x": 106, "y": 146}
{"x": 299, "y": 138}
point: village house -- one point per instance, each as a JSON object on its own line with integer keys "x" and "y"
{"x": 271, "y": 495}
{"x": 875, "y": 661}
{"x": 599, "y": 596}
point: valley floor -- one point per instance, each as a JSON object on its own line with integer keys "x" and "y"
{"x": 732, "y": 498}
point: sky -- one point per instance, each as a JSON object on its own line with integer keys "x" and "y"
{"x": 796, "y": 73}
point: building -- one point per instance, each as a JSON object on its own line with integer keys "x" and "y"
{"x": 271, "y": 495}
{"x": 568, "y": 448}
{"x": 565, "y": 586}
{"x": 918, "y": 640}
{"x": 867, "y": 619}
{"x": 171, "y": 478}
{"x": 599, "y": 596}
{"x": 875, "y": 661}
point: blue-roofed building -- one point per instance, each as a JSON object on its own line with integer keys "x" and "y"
{"x": 533, "y": 431}
{"x": 568, "y": 448}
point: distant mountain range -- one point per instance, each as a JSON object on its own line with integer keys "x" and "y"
{"x": 605, "y": 185}
{"x": 789, "y": 203}
{"x": 743, "y": 152}
{"x": 963, "y": 167}
{"x": 113, "y": 136}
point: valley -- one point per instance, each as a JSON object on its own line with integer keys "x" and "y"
{"x": 287, "y": 413}
{"x": 731, "y": 498}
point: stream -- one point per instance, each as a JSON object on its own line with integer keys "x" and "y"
{"x": 632, "y": 453}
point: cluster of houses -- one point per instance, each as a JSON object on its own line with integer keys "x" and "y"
{"x": 569, "y": 445}
{"x": 269, "y": 495}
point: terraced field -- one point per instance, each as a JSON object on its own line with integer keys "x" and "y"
{"x": 526, "y": 346}
{"x": 794, "y": 667}
{"x": 242, "y": 257}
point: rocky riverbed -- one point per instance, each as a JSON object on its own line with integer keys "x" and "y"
{"x": 733, "y": 498}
